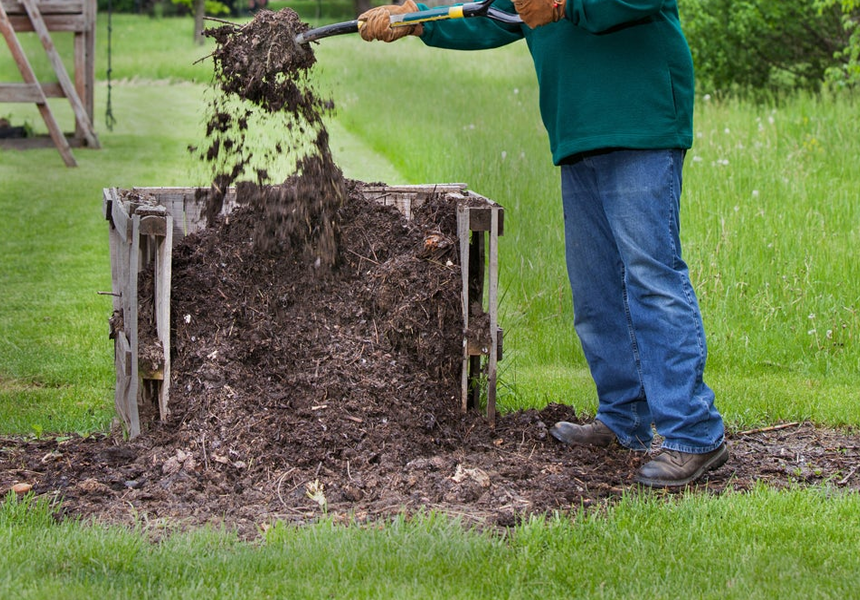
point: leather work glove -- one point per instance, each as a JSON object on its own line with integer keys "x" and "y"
{"x": 535, "y": 13}
{"x": 377, "y": 23}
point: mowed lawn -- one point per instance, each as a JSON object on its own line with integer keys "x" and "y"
{"x": 770, "y": 225}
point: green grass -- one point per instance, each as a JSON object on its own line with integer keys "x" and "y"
{"x": 771, "y": 220}
{"x": 764, "y": 544}
{"x": 56, "y": 361}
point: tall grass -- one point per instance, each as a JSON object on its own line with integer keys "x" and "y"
{"x": 773, "y": 225}
{"x": 774, "y": 196}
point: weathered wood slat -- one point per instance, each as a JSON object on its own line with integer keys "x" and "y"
{"x": 116, "y": 213}
{"x": 123, "y": 392}
{"x": 46, "y": 7}
{"x": 420, "y": 188}
{"x": 130, "y": 319}
{"x": 408, "y": 197}
{"x": 85, "y": 65}
{"x": 163, "y": 275}
{"x": 493, "y": 305}
{"x": 29, "y": 92}
{"x": 480, "y": 219}
{"x": 59, "y": 23}
{"x": 153, "y": 225}
{"x": 463, "y": 235}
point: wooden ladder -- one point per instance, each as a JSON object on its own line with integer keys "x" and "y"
{"x": 33, "y": 91}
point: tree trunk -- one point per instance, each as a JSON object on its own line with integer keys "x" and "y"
{"x": 199, "y": 12}
{"x": 361, "y": 6}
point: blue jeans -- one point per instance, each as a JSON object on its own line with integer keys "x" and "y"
{"x": 635, "y": 310}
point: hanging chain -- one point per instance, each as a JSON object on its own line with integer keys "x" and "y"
{"x": 110, "y": 121}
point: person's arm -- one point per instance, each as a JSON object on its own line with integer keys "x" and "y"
{"x": 597, "y": 16}
{"x": 475, "y": 33}
{"x": 472, "y": 33}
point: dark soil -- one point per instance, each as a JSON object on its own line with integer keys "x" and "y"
{"x": 316, "y": 352}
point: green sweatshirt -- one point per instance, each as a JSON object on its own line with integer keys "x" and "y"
{"x": 612, "y": 73}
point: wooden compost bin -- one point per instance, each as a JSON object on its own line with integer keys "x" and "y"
{"x": 145, "y": 223}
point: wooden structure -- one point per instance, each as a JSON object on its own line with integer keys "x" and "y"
{"x": 145, "y": 222}
{"x": 44, "y": 17}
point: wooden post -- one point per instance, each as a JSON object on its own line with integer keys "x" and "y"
{"x": 163, "y": 274}
{"x": 463, "y": 232}
{"x": 493, "y": 309}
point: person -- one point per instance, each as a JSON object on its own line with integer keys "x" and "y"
{"x": 616, "y": 97}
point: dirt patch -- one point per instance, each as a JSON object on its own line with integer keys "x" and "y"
{"x": 264, "y": 110}
{"x": 371, "y": 462}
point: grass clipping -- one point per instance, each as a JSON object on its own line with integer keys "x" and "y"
{"x": 263, "y": 110}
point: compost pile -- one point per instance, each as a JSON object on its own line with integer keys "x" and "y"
{"x": 316, "y": 369}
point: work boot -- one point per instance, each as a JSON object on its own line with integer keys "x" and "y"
{"x": 671, "y": 468}
{"x": 593, "y": 434}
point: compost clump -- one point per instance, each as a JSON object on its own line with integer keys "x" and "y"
{"x": 262, "y": 79}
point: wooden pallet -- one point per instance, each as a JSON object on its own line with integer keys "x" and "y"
{"x": 145, "y": 222}
{"x": 43, "y": 17}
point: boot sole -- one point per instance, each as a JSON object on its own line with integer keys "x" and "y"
{"x": 716, "y": 461}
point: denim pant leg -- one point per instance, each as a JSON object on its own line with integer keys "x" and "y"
{"x": 601, "y": 316}
{"x": 634, "y": 307}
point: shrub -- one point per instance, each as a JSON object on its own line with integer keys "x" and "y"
{"x": 752, "y": 47}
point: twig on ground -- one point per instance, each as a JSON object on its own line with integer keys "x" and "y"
{"x": 363, "y": 257}
{"x": 771, "y": 428}
{"x": 845, "y": 479}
